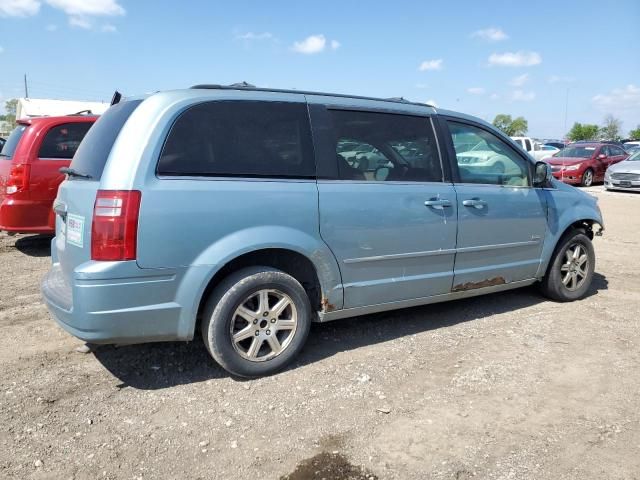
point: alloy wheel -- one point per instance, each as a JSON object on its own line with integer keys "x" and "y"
{"x": 264, "y": 325}
{"x": 574, "y": 270}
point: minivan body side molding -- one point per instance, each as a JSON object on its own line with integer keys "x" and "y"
{"x": 416, "y": 302}
{"x": 430, "y": 253}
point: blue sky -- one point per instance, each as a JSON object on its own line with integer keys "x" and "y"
{"x": 481, "y": 58}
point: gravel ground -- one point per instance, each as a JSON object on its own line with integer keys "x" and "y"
{"x": 504, "y": 386}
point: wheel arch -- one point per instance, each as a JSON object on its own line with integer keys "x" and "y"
{"x": 590, "y": 226}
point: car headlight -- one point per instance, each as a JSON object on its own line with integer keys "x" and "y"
{"x": 573, "y": 167}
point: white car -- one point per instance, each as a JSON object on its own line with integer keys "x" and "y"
{"x": 536, "y": 149}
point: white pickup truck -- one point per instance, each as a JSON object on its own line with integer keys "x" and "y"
{"x": 535, "y": 149}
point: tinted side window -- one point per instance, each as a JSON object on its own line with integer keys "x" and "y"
{"x": 527, "y": 144}
{"x": 385, "y": 147}
{"x": 490, "y": 160}
{"x": 10, "y": 146}
{"x": 62, "y": 141}
{"x": 94, "y": 150}
{"x": 240, "y": 138}
{"x": 616, "y": 151}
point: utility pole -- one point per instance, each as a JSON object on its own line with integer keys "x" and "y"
{"x": 26, "y": 88}
{"x": 566, "y": 109}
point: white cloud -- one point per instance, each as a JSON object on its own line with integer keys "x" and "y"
{"x": 108, "y": 28}
{"x": 520, "y": 80}
{"x": 19, "y": 8}
{"x": 432, "y": 102}
{"x": 626, "y": 98}
{"x": 310, "y": 45}
{"x": 476, "y": 90}
{"x": 494, "y": 96}
{"x": 51, "y": 28}
{"x": 254, "y": 36}
{"x": 88, "y": 7}
{"x": 335, "y": 44}
{"x": 490, "y": 34}
{"x": 560, "y": 79}
{"x": 429, "y": 65}
{"x": 515, "y": 59}
{"x": 1, "y": 49}
{"x": 80, "y": 22}
{"x": 422, "y": 85}
{"x": 520, "y": 96}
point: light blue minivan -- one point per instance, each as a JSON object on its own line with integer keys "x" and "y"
{"x": 249, "y": 213}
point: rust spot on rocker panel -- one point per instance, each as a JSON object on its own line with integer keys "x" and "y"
{"x": 326, "y": 306}
{"x": 490, "y": 282}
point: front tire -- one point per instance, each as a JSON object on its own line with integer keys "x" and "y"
{"x": 570, "y": 272}
{"x": 256, "y": 321}
{"x": 587, "y": 178}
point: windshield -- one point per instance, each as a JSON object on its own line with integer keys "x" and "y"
{"x": 576, "y": 152}
{"x": 12, "y": 142}
{"x": 635, "y": 157}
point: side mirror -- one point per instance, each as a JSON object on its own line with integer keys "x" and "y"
{"x": 602, "y": 156}
{"x": 542, "y": 174}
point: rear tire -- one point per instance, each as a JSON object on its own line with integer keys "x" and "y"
{"x": 587, "y": 178}
{"x": 256, "y": 321}
{"x": 570, "y": 272}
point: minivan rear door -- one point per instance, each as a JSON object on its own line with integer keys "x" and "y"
{"x": 385, "y": 210}
{"x": 77, "y": 194}
{"x": 55, "y": 149}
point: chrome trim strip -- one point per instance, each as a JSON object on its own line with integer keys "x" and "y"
{"x": 415, "y": 302}
{"x": 396, "y": 256}
{"x": 429, "y": 253}
{"x": 482, "y": 248}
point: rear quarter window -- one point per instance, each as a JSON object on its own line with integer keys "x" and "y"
{"x": 12, "y": 142}
{"x": 62, "y": 141}
{"x": 240, "y": 139}
{"x": 92, "y": 154}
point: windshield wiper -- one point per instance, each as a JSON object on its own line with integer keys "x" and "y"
{"x": 73, "y": 173}
{"x": 4, "y": 155}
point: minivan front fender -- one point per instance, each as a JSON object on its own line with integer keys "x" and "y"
{"x": 567, "y": 207}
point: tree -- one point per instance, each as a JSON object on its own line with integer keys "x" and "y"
{"x": 10, "y": 108}
{"x": 611, "y": 129}
{"x": 581, "y": 131}
{"x": 512, "y": 127}
{"x": 635, "y": 134}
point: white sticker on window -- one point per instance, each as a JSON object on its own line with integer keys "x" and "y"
{"x": 589, "y": 148}
{"x": 75, "y": 230}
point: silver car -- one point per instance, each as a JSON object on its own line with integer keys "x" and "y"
{"x": 624, "y": 175}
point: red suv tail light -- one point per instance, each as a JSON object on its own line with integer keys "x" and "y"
{"x": 114, "y": 230}
{"x": 18, "y": 180}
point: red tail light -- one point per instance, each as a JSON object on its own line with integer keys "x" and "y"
{"x": 114, "y": 231}
{"x": 18, "y": 180}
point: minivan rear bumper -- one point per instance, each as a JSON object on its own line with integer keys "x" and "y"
{"x": 115, "y": 302}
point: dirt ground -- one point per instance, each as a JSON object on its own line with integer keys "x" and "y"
{"x": 507, "y": 386}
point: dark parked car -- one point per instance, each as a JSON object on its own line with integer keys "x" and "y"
{"x": 583, "y": 163}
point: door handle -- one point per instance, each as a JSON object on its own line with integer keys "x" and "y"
{"x": 474, "y": 202}
{"x": 437, "y": 204}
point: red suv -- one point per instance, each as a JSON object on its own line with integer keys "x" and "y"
{"x": 584, "y": 163}
{"x": 29, "y": 170}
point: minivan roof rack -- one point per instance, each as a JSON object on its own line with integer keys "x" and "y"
{"x": 248, "y": 86}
